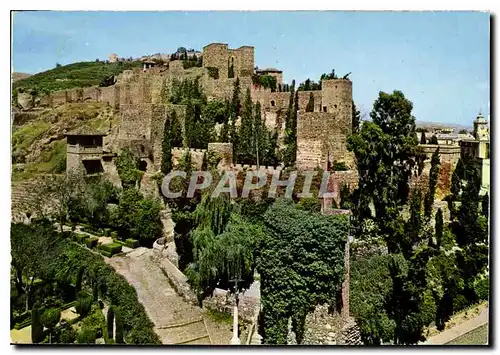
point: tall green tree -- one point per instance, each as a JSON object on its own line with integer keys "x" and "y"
{"x": 172, "y": 137}
{"x": 471, "y": 231}
{"x": 290, "y": 290}
{"x": 439, "y": 228}
{"x": 289, "y": 152}
{"x": 423, "y": 140}
{"x": 385, "y": 173}
{"x": 433, "y": 179}
{"x": 33, "y": 248}
{"x": 37, "y": 334}
{"x": 356, "y": 118}
{"x": 310, "y": 103}
{"x": 50, "y": 318}
{"x": 127, "y": 165}
{"x": 387, "y": 156}
{"x": 245, "y": 138}
{"x": 485, "y": 206}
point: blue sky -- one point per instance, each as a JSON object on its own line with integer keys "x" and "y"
{"x": 440, "y": 60}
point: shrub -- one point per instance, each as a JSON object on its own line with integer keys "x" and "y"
{"x": 114, "y": 289}
{"x": 80, "y": 238}
{"x": 132, "y": 243}
{"x": 37, "y": 334}
{"x": 311, "y": 204}
{"x": 68, "y": 305}
{"x": 86, "y": 336}
{"x": 105, "y": 253}
{"x": 83, "y": 304}
{"x": 117, "y": 241}
{"x": 23, "y": 324}
{"x": 91, "y": 242}
{"x": 482, "y": 288}
{"x": 67, "y": 336}
{"x": 50, "y": 318}
{"x": 96, "y": 321}
{"x": 113, "y": 234}
{"x": 339, "y": 166}
{"x": 112, "y": 248}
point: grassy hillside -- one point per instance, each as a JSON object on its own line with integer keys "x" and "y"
{"x": 74, "y": 75}
{"x": 40, "y": 144}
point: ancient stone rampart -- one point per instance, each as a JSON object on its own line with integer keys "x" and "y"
{"x": 312, "y": 150}
{"x": 224, "y": 151}
{"x": 449, "y": 156}
{"x": 196, "y": 156}
{"x": 304, "y": 97}
{"x": 322, "y": 140}
{"x": 336, "y": 180}
{"x": 110, "y": 95}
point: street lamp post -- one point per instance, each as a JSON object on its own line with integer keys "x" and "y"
{"x": 235, "y": 340}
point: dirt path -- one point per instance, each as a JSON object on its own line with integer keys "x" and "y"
{"x": 176, "y": 321}
{"x": 459, "y": 330}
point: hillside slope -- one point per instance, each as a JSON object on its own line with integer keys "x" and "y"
{"x": 74, "y": 75}
{"x": 19, "y": 76}
{"x": 39, "y": 145}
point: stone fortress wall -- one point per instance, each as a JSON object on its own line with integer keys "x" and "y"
{"x": 449, "y": 156}
{"x": 140, "y": 96}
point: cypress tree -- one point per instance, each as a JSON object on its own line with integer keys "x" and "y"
{"x": 234, "y": 110}
{"x": 485, "y": 206}
{"x": 110, "y": 322}
{"x": 235, "y": 100}
{"x": 166, "y": 159}
{"x": 415, "y": 222}
{"x": 356, "y": 118}
{"x": 439, "y": 228}
{"x": 245, "y": 151}
{"x": 119, "y": 329}
{"x": 433, "y": 140}
{"x": 456, "y": 180}
{"x": 310, "y": 104}
{"x": 204, "y": 163}
{"x": 422, "y": 138}
{"x": 78, "y": 283}
{"x": 258, "y": 135}
{"x": 37, "y": 334}
{"x": 433, "y": 178}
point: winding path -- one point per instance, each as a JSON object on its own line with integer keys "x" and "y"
{"x": 175, "y": 320}
{"x": 459, "y": 330}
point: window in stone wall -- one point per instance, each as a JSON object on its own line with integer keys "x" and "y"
{"x": 335, "y": 105}
{"x": 324, "y": 108}
{"x": 93, "y": 166}
{"x": 273, "y": 103}
{"x": 143, "y": 165}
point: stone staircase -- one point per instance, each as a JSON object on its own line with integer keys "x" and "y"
{"x": 176, "y": 321}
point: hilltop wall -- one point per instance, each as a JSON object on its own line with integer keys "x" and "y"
{"x": 449, "y": 156}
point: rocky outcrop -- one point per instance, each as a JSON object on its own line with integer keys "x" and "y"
{"x": 25, "y": 100}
